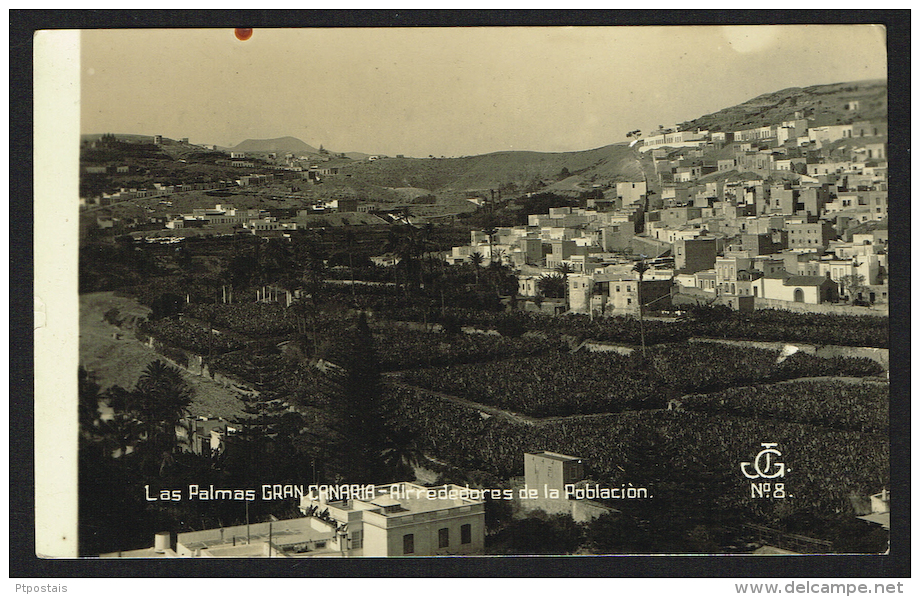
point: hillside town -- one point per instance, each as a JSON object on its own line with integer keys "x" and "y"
{"x": 790, "y": 213}
{"x": 794, "y": 212}
{"x": 515, "y": 368}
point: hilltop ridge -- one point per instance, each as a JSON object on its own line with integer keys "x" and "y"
{"x": 278, "y": 145}
{"x": 836, "y": 103}
{"x": 397, "y": 179}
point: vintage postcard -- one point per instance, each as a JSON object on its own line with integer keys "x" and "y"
{"x": 481, "y": 291}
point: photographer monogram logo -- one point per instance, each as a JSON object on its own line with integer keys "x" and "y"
{"x": 766, "y": 465}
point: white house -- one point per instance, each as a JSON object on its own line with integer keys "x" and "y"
{"x": 405, "y": 519}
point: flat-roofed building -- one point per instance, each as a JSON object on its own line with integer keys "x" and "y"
{"x": 293, "y": 538}
{"x": 618, "y": 293}
{"x": 692, "y": 255}
{"x": 810, "y": 235}
{"x": 554, "y": 483}
{"x": 405, "y": 519}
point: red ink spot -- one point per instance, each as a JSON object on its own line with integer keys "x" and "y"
{"x": 243, "y": 34}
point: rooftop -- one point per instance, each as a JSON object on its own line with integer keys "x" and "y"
{"x": 281, "y": 533}
{"x": 403, "y": 499}
{"x": 879, "y": 518}
{"x": 805, "y": 280}
{"x": 148, "y": 552}
{"x": 555, "y": 456}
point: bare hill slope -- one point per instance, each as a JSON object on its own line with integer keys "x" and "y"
{"x": 842, "y": 103}
{"x": 521, "y": 169}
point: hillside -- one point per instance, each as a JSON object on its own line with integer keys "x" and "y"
{"x": 612, "y": 163}
{"x": 397, "y": 179}
{"x": 121, "y": 137}
{"x": 513, "y": 170}
{"x": 828, "y": 104}
{"x": 280, "y": 145}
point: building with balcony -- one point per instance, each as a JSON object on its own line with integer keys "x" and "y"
{"x": 617, "y": 293}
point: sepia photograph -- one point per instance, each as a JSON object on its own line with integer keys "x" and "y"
{"x": 397, "y": 292}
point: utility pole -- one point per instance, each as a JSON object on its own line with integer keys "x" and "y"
{"x": 491, "y": 232}
{"x": 641, "y": 267}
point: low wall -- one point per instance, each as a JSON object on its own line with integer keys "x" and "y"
{"x": 689, "y": 295}
{"x": 592, "y": 346}
{"x": 579, "y": 510}
{"x": 879, "y": 355}
{"x": 194, "y": 364}
{"x": 827, "y": 308}
{"x": 229, "y": 382}
{"x": 777, "y": 346}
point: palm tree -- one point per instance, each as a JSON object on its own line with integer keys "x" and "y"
{"x": 403, "y": 242}
{"x": 565, "y": 269}
{"x": 160, "y": 402}
{"x": 164, "y": 386}
{"x": 476, "y": 259}
{"x": 108, "y": 436}
{"x": 402, "y": 452}
{"x": 641, "y": 267}
{"x": 551, "y": 285}
{"x": 120, "y": 433}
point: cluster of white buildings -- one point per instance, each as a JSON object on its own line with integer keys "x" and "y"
{"x": 401, "y": 519}
{"x": 253, "y": 220}
{"x": 565, "y": 235}
{"x": 766, "y": 213}
{"x": 156, "y": 190}
{"x": 797, "y": 131}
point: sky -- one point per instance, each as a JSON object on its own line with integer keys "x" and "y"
{"x": 450, "y": 91}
